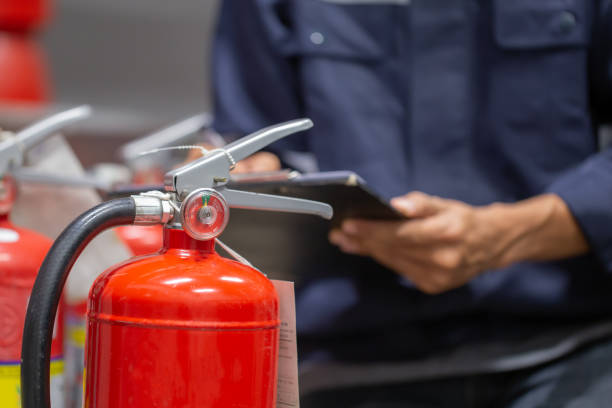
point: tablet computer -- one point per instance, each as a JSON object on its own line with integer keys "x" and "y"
{"x": 345, "y": 191}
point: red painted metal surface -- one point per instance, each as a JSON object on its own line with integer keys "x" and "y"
{"x": 23, "y": 71}
{"x": 21, "y": 253}
{"x": 141, "y": 239}
{"x": 21, "y": 15}
{"x": 182, "y": 328}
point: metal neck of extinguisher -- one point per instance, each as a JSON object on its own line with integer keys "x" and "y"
{"x": 196, "y": 197}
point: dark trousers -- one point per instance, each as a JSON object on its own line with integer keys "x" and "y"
{"x": 582, "y": 379}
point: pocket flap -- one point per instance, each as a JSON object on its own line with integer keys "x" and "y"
{"x": 524, "y": 24}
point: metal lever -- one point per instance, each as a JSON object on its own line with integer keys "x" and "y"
{"x": 36, "y": 176}
{"x": 268, "y": 202}
{"x": 246, "y": 146}
{"x": 13, "y": 149}
{"x": 213, "y": 169}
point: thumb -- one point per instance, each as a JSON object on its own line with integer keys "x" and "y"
{"x": 417, "y": 204}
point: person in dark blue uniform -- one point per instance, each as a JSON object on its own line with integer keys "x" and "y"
{"x": 479, "y": 120}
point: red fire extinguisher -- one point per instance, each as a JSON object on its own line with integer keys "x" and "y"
{"x": 21, "y": 254}
{"x": 181, "y": 328}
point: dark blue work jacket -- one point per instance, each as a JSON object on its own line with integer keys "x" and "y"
{"x": 478, "y": 100}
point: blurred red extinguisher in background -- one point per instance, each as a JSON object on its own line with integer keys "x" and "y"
{"x": 21, "y": 254}
{"x": 23, "y": 70}
{"x": 23, "y": 15}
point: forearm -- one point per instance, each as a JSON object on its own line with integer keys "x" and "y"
{"x": 541, "y": 228}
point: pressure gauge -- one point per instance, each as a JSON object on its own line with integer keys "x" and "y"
{"x": 204, "y": 214}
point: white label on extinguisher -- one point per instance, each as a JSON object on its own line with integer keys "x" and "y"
{"x": 8, "y": 235}
{"x": 288, "y": 393}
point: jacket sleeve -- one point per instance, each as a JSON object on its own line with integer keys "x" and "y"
{"x": 253, "y": 70}
{"x": 587, "y": 189}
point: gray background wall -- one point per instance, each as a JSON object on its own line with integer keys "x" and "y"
{"x": 146, "y": 59}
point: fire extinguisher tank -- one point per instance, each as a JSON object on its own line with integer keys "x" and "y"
{"x": 22, "y": 253}
{"x": 182, "y": 328}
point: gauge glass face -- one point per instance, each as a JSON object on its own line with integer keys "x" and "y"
{"x": 205, "y": 214}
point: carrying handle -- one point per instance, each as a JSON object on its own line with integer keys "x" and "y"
{"x": 37, "y": 132}
{"x": 213, "y": 169}
{"x": 246, "y": 146}
{"x": 13, "y": 149}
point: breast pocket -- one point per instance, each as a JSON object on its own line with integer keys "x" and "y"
{"x": 542, "y": 45}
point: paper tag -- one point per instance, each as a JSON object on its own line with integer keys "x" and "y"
{"x": 287, "y": 390}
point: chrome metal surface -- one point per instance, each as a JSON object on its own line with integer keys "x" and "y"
{"x": 152, "y": 210}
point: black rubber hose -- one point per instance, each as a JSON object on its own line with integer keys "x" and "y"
{"x": 45, "y": 297}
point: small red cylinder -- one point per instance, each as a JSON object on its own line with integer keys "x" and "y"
{"x": 23, "y": 71}
{"x": 182, "y": 328}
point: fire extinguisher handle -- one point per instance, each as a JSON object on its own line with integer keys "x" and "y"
{"x": 269, "y": 202}
{"x": 246, "y": 146}
{"x": 13, "y": 149}
{"x": 37, "y": 132}
{"x": 213, "y": 169}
